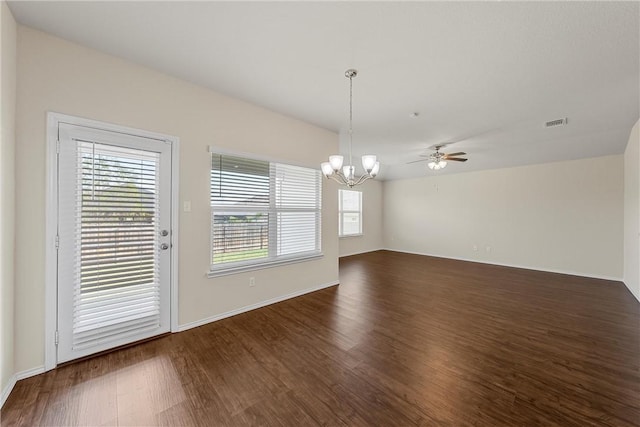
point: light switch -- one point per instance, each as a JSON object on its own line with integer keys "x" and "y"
{"x": 187, "y": 206}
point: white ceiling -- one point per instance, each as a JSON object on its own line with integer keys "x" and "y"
{"x": 485, "y": 74}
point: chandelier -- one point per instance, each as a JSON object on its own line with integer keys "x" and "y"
{"x": 346, "y": 175}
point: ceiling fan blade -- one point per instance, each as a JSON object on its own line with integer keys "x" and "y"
{"x": 416, "y": 161}
{"x": 460, "y": 153}
{"x": 455, "y": 159}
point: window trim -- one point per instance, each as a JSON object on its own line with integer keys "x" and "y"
{"x": 241, "y": 268}
{"x": 250, "y": 265}
{"x": 342, "y": 211}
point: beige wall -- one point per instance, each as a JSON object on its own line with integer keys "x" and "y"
{"x": 564, "y": 217}
{"x": 371, "y": 238}
{"x": 7, "y": 192}
{"x": 59, "y": 76}
{"x": 632, "y": 212}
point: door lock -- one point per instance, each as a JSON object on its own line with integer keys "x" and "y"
{"x": 164, "y": 233}
{"x": 164, "y": 246}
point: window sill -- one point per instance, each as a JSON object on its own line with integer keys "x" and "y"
{"x": 351, "y": 235}
{"x": 269, "y": 264}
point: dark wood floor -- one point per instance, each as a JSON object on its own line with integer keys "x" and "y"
{"x": 404, "y": 340}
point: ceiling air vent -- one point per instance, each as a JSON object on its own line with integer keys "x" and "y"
{"x": 557, "y": 122}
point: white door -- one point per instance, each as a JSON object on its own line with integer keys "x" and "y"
{"x": 114, "y": 248}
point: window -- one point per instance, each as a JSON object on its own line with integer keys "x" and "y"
{"x": 350, "y": 213}
{"x": 262, "y": 213}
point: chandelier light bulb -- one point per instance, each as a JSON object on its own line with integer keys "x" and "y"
{"x": 375, "y": 170}
{"x": 327, "y": 170}
{"x": 368, "y": 162}
{"x": 349, "y": 172}
{"x": 336, "y": 162}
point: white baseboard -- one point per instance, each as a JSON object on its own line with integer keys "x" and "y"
{"x": 524, "y": 267}
{"x": 636, "y": 295}
{"x": 17, "y": 377}
{"x": 250, "y": 307}
{"x": 7, "y": 390}
{"x": 359, "y": 253}
{"x": 30, "y": 373}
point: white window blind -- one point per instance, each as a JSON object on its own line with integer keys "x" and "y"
{"x": 262, "y": 212}
{"x": 114, "y": 221}
{"x": 350, "y": 213}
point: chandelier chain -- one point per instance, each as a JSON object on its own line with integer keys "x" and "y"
{"x": 351, "y": 75}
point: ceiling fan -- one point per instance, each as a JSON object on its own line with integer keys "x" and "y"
{"x": 438, "y": 160}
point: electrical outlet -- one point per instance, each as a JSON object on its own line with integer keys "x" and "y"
{"x": 252, "y": 281}
{"x": 488, "y": 248}
{"x": 475, "y": 248}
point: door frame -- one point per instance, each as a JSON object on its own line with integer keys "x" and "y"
{"x": 51, "y": 226}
